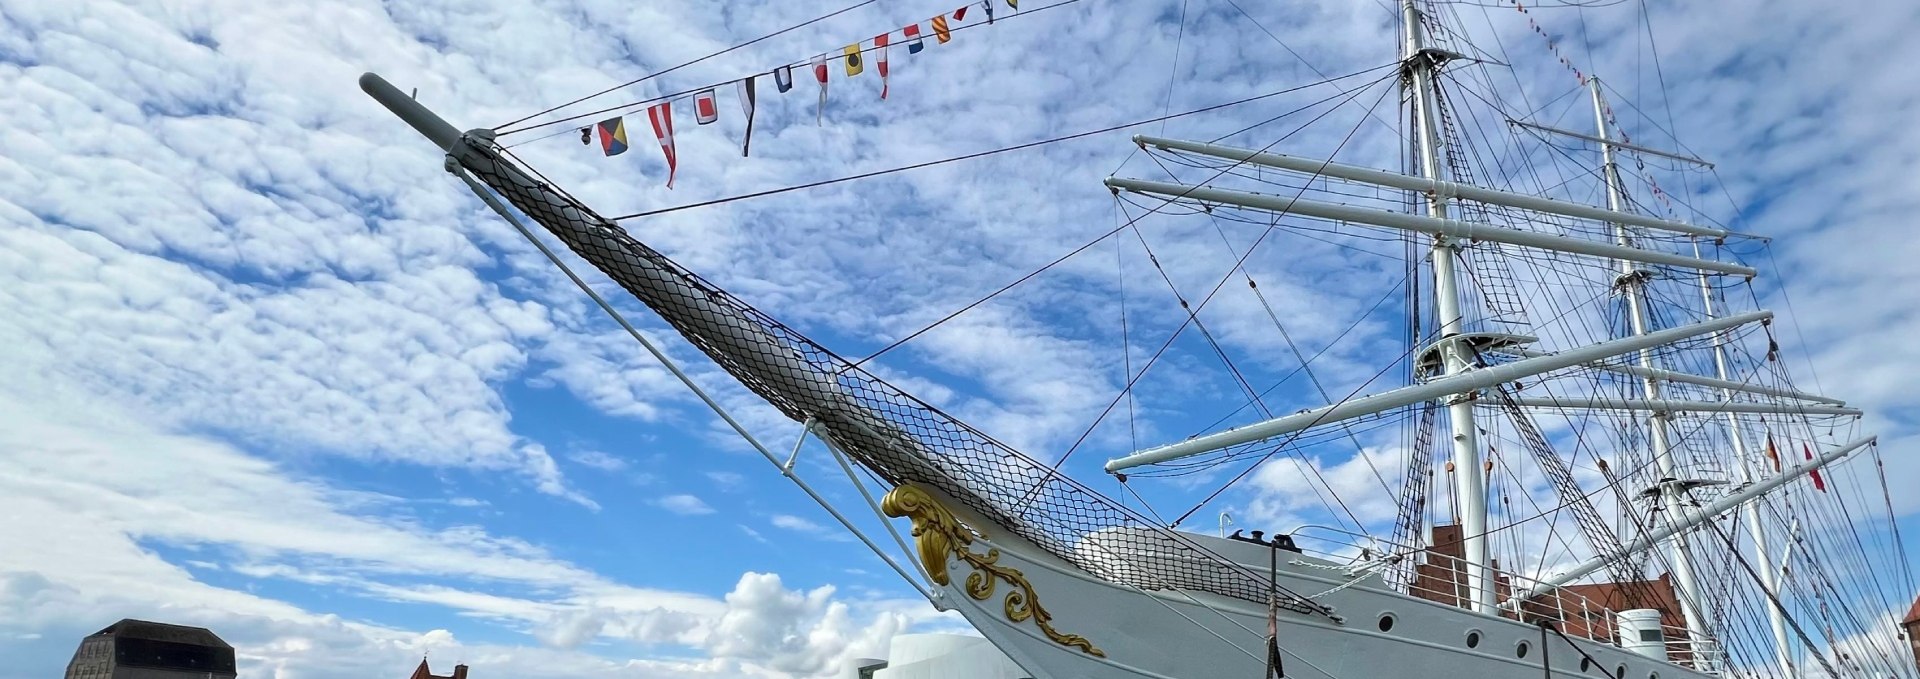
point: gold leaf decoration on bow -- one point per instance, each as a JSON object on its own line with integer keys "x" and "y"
{"x": 938, "y": 534}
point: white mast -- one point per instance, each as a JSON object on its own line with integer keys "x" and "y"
{"x": 1769, "y": 578}
{"x": 1469, "y": 480}
{"x": 1632, "y": 281}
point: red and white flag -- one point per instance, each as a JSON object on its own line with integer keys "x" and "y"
{"x": 706, "y": 107}
{"x": 661, "y": 115}
{"x": 819, "y": 65}
{"x": 880, "y": 45}
{"x": 1819, "y": 484}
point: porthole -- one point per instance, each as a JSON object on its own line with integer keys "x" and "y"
{"x": 1586, "y": 664}
{"x": 1473, "y": 639}
{"x": 1620, "y": 673}
{"x": 1386, "y": 622}
{"x": 1520, "y": 650}
{"x": 1653, "y": 675}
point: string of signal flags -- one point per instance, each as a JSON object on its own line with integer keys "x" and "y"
{"x": 850, "y": 60}
{"x": 1553, "y": 47}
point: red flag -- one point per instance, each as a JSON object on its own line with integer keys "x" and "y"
{"x": 1819, "y": 484}
{"x": 661, "y": 115}
{"x": 880, "y": 44}
{"x": 1773, "y": 453}
{"x": 706, "y": 107}
{"x": 960, "y": 14}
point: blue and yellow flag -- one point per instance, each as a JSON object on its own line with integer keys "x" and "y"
{"x": 613, "y": 136}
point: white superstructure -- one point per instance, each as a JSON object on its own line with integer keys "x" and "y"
{"x": 937, "y": 656}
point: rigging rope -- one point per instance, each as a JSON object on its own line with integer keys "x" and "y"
{"x": 1192, "y": 317}
{"x": 1164, "y": 202}
{"x": 1004, "y": 149}
{"x": 685, "y": 64}
{"x": 1126, "y": 340}
{"x": 1173, "y": 69}
{"x": 1216, "y": 289}
{"x": 634, "y": 106}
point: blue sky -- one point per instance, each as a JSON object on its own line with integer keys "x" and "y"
{"x": 270, "y": 370}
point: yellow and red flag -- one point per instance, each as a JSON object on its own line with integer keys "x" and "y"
{"x": 940, "y": 30}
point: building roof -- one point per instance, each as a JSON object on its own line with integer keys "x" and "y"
{"x": 160, "y": 631}
{"x": 1913, "y": 614}
{"x": 422, "y": 672}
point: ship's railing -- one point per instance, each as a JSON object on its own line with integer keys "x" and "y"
{"x": 1442, "y": 578}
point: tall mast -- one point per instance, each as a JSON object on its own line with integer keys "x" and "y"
{"x": 1632, "y": 284}
{"x": 1469, "y": 480}
{"x": 1769, "y": 578}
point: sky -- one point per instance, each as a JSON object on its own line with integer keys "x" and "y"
{"x": 268, "y": 369}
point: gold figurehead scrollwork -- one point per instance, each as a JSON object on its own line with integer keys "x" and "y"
{"x": 938, "y": 534}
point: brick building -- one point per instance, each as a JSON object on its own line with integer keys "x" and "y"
{"x": 422, "y": 672}
{"x": 1579, "y": 610}
{"x": 1910, "y": 628}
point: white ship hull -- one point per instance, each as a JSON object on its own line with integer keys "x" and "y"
{"x": 1179, "y": 633}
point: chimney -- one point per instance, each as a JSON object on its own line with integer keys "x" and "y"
{"x": 459, "y": 672}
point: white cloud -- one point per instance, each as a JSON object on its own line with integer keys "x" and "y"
{"x": 1286, "y": 491}
{"x": 807, "y": 631}
{"x": 684, "y": 505}
{"x": 598, "y": 460}
{"x": 795, "y": 524}
{"x": 727, "y": 481}
{"x": 571, "y": 629}
{"x": 91, "y": 563}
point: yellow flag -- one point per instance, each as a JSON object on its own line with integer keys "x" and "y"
{"x": 854, "y": 64}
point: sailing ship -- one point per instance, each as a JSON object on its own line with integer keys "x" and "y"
{"x": 1686, "y": 386}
